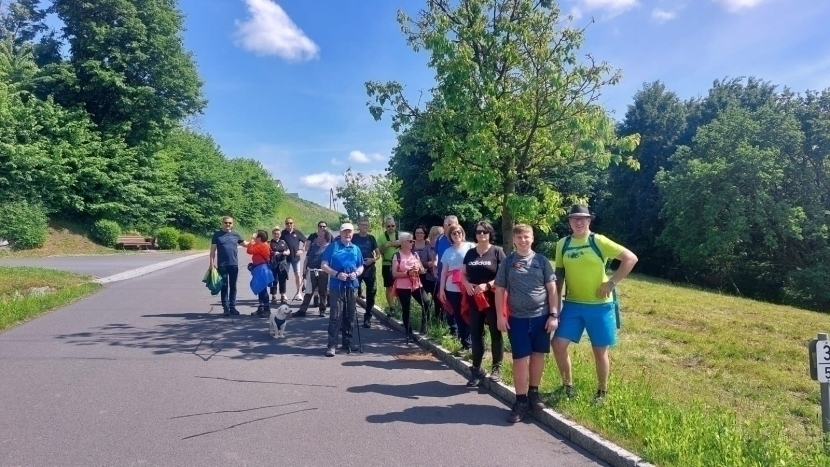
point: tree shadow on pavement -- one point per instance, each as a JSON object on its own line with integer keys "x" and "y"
{"x": 209, "y": 334}
{"x": 462, "y": 414}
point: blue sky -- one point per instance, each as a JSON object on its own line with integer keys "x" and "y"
{"x": 285, "y": 78}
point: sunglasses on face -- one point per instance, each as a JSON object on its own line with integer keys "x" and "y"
{"x": 482, "y": 232}
{"x": 322, "y": 226}
{"x": 391, "y": 226}
{"x": 456, "y": 233}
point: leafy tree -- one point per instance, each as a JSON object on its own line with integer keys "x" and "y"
{"x": 129, "y": 68}
{"x": 728, "y": 216}
{"x": 631, "y": 208}
{"x": 375, "y": 196}
{"x": 507, "y": 71}
{"x": 424, "y": 198}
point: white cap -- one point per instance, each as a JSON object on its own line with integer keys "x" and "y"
{"x": 346, "y": 226}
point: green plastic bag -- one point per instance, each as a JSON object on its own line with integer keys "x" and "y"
{"x": 213, "y": 281}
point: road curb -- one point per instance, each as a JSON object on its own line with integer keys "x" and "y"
{"x": 137, "y": 272}
{"x": 577, "y": 434}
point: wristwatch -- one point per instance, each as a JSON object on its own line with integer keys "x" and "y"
{"x": 553, "y": 315}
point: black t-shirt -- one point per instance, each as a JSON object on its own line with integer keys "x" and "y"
{"x": 483, "y": 268}
{"x": 277, "y": 246}
{"x": 294, "y": 240}
{"x": 367, "y": 246}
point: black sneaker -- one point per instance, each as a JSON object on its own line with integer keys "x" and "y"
{"x": 518, "y": 412}
{"x": 599, "y": 397}
{"x": 495, "y": 374}
{"x": 234, "y": 311}
{"x": 226, "y": 313}
{"x": 322, "y": 312}
{"x": 535, "y": 400}
{"x": 367, "y": 324}
{"x": 475, "y": 379}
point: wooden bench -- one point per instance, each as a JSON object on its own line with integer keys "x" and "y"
{"x": 136, "y": 241}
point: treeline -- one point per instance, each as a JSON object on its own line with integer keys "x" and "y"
{"x": 93, "y": 121}
{"x": 732, "y": 190}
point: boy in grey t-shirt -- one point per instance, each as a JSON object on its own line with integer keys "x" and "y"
{"x": 529, "y": 281}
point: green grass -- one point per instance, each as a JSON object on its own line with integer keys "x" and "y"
{"x": 305, "y": 213}
{"x": 697, "y": 379}
{"x": 17, "y": 305}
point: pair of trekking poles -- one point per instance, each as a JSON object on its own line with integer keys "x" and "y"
{"x": 349, "y": 295}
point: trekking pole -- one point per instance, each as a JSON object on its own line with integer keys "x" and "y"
{"x": 352, "y": 299}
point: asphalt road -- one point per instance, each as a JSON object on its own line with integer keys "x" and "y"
{"x": 148, "y": 372}
{"x": 99, "y": 266}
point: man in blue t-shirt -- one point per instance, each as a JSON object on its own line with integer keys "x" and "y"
{"x": 343, "y": 262}
{"x": 223, "y": 257}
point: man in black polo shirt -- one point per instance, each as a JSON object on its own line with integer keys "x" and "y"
{"x": 369, "y": 248}
{"x": 296, "y": 243}
{"x": 322, "y": 228}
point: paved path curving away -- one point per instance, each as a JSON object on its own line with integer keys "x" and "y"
{"x": 148, "y": 372}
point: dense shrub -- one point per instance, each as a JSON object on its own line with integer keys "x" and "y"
{"x": 105, "y": 232}
{"x": 24, "y": 225}
{"x": 167, "y": 238}
{"x": 186, "y": 241}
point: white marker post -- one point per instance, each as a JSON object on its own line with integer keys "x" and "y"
{"x": 819, "y": 350}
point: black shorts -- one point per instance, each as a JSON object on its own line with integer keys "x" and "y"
{"x": 386, "y": 272}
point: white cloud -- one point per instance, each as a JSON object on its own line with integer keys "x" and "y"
{"x": 335, "y": 161}
{"x": 735, "y": 5}
{"x": 321, "y": 181}
{"x": 608, "y": 8}
{"x": 661, "y": 16}
{"x": 360, "y": 157}
{"x": 269, "y": 31}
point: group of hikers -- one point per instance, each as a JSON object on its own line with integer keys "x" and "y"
{"x": 468, "y": 285}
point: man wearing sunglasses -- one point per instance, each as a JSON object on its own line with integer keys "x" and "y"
{"x": 223, "y": 257}
{"x": 296, "y": 243}
{"x": 387, "y": 251}
{"x": 322, "y": 228}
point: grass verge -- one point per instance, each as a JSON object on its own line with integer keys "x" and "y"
{"x": 18, "y": 304}
{"x": 698, "y": 379}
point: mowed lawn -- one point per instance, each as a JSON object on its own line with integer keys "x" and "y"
{"x": 18, "y": 304}
{"x": 698, "y": 379}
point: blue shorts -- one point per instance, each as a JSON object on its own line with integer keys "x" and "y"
{"x": 528, "y": 335}
{"x": 599, "y": 319}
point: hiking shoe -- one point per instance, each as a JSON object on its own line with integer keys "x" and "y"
{"x": 367, "y": 324}
{"x": 599, "y": 397}
{"x": 273, "y": 299}
{"x": 330, "y": 352}
{"x": 518, "y": 412}
{"x": 322, "y": 312}
{"x": 535, "y": 400}
{"x": 299, "y": 314}
{"x": 495, "y": 374}
{"x": 475, "y": 379}
{"x": 226, "y": 313}
{"x": 234, "y": 311}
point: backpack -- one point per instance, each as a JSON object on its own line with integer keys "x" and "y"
{"x": 592, "y": 243}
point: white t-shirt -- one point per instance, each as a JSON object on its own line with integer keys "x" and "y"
{"x": 453, "y": 259}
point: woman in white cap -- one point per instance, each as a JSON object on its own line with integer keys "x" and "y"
{"x": 343, "y": 262}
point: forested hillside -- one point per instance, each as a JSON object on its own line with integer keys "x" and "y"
{"x": 93, "y": 125}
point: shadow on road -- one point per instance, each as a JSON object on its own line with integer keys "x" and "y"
{"x": 413, "y": 391}
{"x": 209, "y": 334}
{"x": 462, "y": 414}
